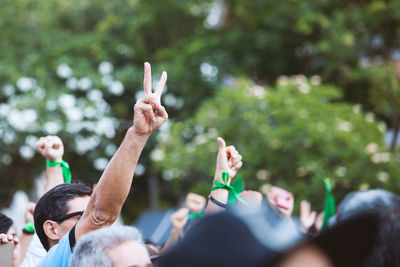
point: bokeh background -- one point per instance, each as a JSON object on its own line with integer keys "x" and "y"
{"x": 303, "y": 89}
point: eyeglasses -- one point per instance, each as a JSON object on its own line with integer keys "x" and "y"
{"x": 67, "y": 216}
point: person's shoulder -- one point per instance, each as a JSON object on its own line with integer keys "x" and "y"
{"x": 58, "y": 255}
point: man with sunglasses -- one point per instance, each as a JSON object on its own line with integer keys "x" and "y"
{"x": 58, "y": 211}
{"x": 103, "y": 207}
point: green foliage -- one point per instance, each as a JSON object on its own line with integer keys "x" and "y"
{"x": 292, "y": 136}
{"x": 51, "y": 49}
{"x": 256, "y": 39}
{"x": 385, "y": 89}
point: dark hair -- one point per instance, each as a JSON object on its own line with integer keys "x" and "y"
{"x": 5, "y": 223}
{"x": 54, "y": 204}
{"x": 386, "y": 207}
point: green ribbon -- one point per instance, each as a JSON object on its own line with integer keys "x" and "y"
{"x": 224, "y": 185}
{"x": 238, "y": 184}
{"x": 65, "y": 169}
{"x": 195, "y": 215}
{"x": 29, "y": 227}
{"x": 329, "y": 207}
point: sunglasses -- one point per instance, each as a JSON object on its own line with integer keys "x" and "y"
{"x": 67, "y": 216}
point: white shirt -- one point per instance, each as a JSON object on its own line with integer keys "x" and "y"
{"x": 34, "y": 254}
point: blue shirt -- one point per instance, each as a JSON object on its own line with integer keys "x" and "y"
{"x": 59, "y": 255}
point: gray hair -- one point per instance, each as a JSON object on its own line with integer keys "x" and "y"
{"x": 91, "y": 248}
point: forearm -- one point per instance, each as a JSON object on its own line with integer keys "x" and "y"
{"x": 113, "y": 187}
{"x": 54, "y": 177}
{"x": 220, "y": 195}
{"x": 24, "y": 241}
{"x": 172, "y": 239}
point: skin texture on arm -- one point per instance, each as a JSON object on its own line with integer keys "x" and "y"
{"x": 25, "y": 239}
{"x": 114, "y": 185}
{"x": 179, "y": 220}
{"x": 228, "y": 160}
{"x": 52, "y": 148}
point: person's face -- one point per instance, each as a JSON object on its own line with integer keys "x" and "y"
{"x": 55, "y": 230}
{"x": 75, "y": 205}
{"x": 129, "y": 254}
{"x": 306, "y": 256}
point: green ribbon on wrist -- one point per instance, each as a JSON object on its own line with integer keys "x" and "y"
{"x": 65, "y": 169}
{"x": 224, "y": 185}
{"x": 196, "y": 215}
{"x": 29, "y": 227}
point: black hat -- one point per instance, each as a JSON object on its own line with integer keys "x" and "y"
{"x": 225, "y": 239}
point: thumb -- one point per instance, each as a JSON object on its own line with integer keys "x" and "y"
{"x": 222, "y": 145}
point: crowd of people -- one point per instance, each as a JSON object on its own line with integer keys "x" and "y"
{"x": 76, "y": 225}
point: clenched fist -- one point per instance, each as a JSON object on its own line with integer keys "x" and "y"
{"x": 195, "y": 202}
{"x": 51, "y": 148}
{"x": 179, "y": 218}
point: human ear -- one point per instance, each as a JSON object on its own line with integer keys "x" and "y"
{"x": 52, "y": 230}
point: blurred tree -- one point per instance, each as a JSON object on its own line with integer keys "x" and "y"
{"x": 292, "y": 136}
{"x": 74, "y": 69}
{"x": 385, "y": 94}
{"x": 199, "y": 43}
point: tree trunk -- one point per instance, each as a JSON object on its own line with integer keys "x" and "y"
{"x": 153, "y": 191}
{"x": 396, "y": 129}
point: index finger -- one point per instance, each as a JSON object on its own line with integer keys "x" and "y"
{"x": 147, "y": 79}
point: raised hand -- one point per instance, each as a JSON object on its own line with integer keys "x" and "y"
{"x": 281, "y": 200}
{"x": 51, "y": 148}
{"x": 319, "y": 221}
{"x": 307, "y": 218}
{"x": 195, "y": 202}
{"x": 228, "y": 160}
{"x": 253, "y": 198}
{"x": 179, "y": 218}
{"x": 30, "y": 208}
{"x": 149, "y": 113}
{"x": 7, "y": 238}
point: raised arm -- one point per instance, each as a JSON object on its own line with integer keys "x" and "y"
{"x": 228, "y": 160}
{"x": 113, "y": 187}
{"x": 25, "y": 237}
{"x": 179, "y": 220}
{"x": 52, "y": 149}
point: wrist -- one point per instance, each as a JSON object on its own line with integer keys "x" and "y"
{"x": 176, "y": 230}
{"x": 29, "y": 228}
{"x": 134, "y": 134}
{"x": 218, "y": 176}
{"x": 55, "y": 159}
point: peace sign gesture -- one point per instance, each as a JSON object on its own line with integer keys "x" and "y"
{"x": 149, "y": 113}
